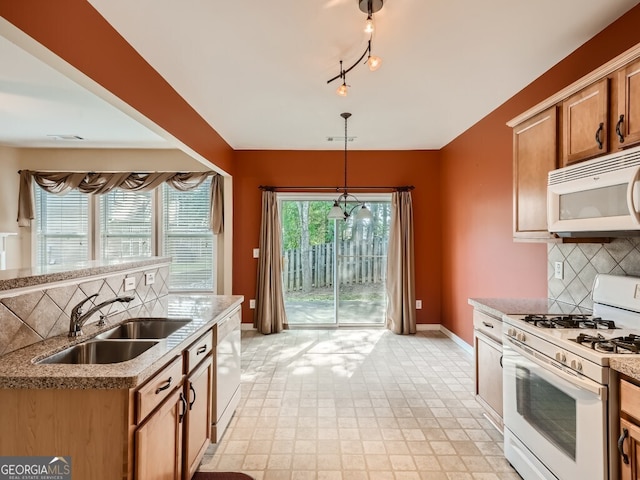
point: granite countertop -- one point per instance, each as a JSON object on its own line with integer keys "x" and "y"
{"x": 28, "y": 277}
{"x": 628, "y": 366}
{"x": 19, "y": 370}
{"x": 521, "y": 306}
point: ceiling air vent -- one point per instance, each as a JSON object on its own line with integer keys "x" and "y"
{"x": 340, "y": 139}
{"x": 66, "y": 137}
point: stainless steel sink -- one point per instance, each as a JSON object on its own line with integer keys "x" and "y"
{"x": 100, "y": 351}
{"x": 145, "y": 328}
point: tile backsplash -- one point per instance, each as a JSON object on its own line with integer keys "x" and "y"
{"x": 582, "y": 261}
{"x": 45, "y": 312}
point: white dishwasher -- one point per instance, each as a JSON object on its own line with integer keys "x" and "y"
{"x": 227, "y": 373}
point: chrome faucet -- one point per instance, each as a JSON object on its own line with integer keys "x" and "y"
{"x": 78, "y": 318}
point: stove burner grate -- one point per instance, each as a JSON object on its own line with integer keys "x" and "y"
{"x": 626, "y": 344}
{"x": 569, "y": 321}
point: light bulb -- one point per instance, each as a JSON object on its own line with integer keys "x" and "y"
{"x": 374, "y": 62}
{"x": 368, "y": 27}
{"x": 342, "y": 90}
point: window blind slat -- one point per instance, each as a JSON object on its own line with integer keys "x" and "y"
{"x": 126, "y": 224}
{"x": 62, "y": 226}
{"x": 188, "y": 239}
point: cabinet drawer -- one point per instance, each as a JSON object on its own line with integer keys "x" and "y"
{"x": 228, "y": 325}
{"x": 630, "y": 398}
{"x": 198, "y": 351}
{"x": 490, "y": 326}
{"x": 159, "y": 387}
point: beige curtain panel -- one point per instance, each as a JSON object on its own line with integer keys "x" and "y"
{"x": 401, "y": 291}
{"x": 101, "y": 183}
{"x": 269, "y": 316}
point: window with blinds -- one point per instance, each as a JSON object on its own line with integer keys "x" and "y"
{"x": 126, "y": 226}
{"x": 62, "y": 228}
{"x": 187, "y": 238}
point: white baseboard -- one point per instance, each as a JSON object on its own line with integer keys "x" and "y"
{"x": 457, "y": 340}
{"x": 423, "y": 327}
{"x": 420, "y": 327}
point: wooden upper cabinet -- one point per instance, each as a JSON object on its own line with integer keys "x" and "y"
{"x": 627, "y": 127}
{"x": 585, "y": 119}
{"x": 535, "y": 153}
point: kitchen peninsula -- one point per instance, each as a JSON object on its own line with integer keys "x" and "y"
{"x": 151, "y": 415}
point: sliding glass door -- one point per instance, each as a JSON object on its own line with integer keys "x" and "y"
{"x": 334, "y": 271}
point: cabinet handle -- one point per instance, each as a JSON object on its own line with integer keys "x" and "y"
{"x": 598, "y": 132}
{"x": 487, "y": 324}
{"x": 164, "y": 387}
{"x": 193, "y": 391}
{"x": 618, "y": 131}
{"x": 201, "y": 349}
{"x": 501, "y": 366}
{"x": 184, "y": 408}
{"x": 625, "y": 457}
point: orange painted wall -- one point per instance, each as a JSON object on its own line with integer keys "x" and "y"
{"x": 325, "y": 168}
{"x": 463, "y": 195}
{"x": 480, "y": 258}
{"x": 77, "y": 33}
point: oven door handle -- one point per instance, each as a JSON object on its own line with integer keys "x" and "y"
{"x": 584, "y": 384}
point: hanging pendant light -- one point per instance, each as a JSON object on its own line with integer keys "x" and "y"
{"x": 341, "y": 209}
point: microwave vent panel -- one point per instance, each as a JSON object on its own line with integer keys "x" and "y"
{"x": 609, "y": 163}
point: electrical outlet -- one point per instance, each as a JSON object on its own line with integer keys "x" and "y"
{"x": 418, "y": 304}
{"x": 129, "y": 283}
{"x": 252, "y": 304}
{"x": 559, "y": 270}
{"x": 149, "y": 278}
{"x": 256, "y": 253}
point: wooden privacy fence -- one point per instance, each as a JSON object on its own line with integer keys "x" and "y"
{"x": 358, "y": 263}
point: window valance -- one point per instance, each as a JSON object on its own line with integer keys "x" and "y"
{"x": 100, "y": 183}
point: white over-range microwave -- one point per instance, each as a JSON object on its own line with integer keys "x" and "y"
{"x": 596, "y": 198}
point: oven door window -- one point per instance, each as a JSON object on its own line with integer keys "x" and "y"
{"x": 547, "y": 409}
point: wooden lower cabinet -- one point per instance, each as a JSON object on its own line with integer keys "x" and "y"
{"x": 197, "y": 436}
{"x": 629, "y": 433}
{"x": 90, "y": 426}
{"x": 158, "y": 431}
{"x": 158, "y": 441}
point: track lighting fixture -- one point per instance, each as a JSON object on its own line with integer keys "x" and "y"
{"x": 373, "y": 62}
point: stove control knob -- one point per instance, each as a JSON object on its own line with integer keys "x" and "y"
{"x": 520, "y": 337}
{"x": 561, "y": 357}
{"x": 576, "y": 365}
{"x": 511, "y": 332}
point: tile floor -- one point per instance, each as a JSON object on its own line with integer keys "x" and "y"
{"x": 357, "y": 404}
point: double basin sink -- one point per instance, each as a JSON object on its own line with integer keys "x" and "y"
{"x": 119, "y": 344}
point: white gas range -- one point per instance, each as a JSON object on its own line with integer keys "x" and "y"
{"x": 559, "y": 415}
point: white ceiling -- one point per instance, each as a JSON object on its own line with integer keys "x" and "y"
{"x": 257, "y": 70}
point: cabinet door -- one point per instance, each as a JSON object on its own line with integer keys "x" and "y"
{"x": 158, "y": 441}
{"x": 535, "y": 153}
{"x": 199, "y": 387}
{"x": 489, "y": 373}
{"x": 630, "y": 436}
{"x": 627, "y": 127}
{"x": 585, "y": 123}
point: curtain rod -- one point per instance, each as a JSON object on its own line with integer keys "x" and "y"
{"x": 270, "y": 188}
{"x": 116, "y": 171}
